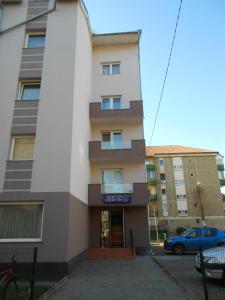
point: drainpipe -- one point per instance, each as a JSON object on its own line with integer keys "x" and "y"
{"x": 198, "y": 187}
{"x": 30, "y": 19}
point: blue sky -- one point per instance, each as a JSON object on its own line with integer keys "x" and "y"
{"x": 193, "y": 106}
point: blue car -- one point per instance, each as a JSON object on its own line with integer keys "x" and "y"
{"x": 194, "y": 240}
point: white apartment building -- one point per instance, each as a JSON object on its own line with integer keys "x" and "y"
{"x": 72, "y": 149}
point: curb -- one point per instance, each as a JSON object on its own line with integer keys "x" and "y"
{"x": 174, "y": 277}
{"x": 54, "y": 288}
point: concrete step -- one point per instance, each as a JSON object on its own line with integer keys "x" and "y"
{"x": 110, "y": 253}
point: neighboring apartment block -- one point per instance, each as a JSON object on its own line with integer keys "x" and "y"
{"x": 184, "y": 187}
{"x": 72, "y": 149}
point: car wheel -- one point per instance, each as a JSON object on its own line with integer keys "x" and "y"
{"x": 178, "y": 249}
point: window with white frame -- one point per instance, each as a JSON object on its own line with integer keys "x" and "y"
{"x": 110, "y": 68}
{"x": 161, "y": 162}
{"x": 113, "y": 102}
{"x": 182, "y": 212}
{"x": 163, "y": 191}
{"x": 29, "y": 90}
{"x": 162, "y": 176}
{"x": 112, "y": 182}
{"x": 35, "y": 40}
{"x": 22, "y": 147}
{"x": 21, "y": 221}
{"x": 111, "y": 140}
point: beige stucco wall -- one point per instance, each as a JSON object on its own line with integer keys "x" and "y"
{"x": 127, "y": 83}
{"x": 11, "y": 44}
{"x": 81, "y": 126}
{"x": 132, "y": 173}
{"x": 129, "y": 132}
{"x": 51, "y": 171}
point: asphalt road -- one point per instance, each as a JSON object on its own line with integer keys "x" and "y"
{"x": 182, "y": 269}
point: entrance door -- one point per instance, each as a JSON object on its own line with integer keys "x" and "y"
{"x": 116, "y": 229}
{"x": 112, "y": 232}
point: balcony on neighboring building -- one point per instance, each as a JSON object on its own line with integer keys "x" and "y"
{"x": 222, "y": 182}
{"x": 131, "y": 194}
{"x": 126, "y": 113}
{"x": 152, "y": 197}
{"x": 150, "y": 167}
{"x": 151, "y": 181}
{"x": 123, "y": 151}
{"x": 220, "y": 167}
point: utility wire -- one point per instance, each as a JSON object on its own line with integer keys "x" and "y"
{"x": 165, "y": 77}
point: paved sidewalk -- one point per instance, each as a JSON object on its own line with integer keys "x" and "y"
{"x": 137, "y": 279}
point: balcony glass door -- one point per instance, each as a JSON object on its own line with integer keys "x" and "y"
{"x": 112, "y": 181}
{"x": 111, "y": 140}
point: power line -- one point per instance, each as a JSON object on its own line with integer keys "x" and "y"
{"x": 167, "y": 69}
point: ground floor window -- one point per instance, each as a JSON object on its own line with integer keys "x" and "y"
{"x": 21, "y": 221}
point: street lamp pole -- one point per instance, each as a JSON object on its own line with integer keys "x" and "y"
{"x": 201, "y": 205}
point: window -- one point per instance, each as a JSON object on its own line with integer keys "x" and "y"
{"x": 150, "y": 174}
{"x": 111, "y": 103}
{"x": 162, "y": 176}
{"x": 182, "y": 212}
{"x": 22, "y": 148}
{"x": 194, "y": 234}
{"x": 209, "y": 232}
{"x": 161, "y": 162}
{"x": 21, "y": 221}
{"x": 180, "y": 196}
{"x": 112, "y": 140}
{"x": 30, "y": 91}
{"x": 35, "y": 40}
{"x": 112, "y": 68}
{"x": 112, "y": 182}
{"x": 163, "y": 191}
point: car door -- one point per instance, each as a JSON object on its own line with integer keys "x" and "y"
{"x": 210, "y": 237}
{"x": 193, "y": 240}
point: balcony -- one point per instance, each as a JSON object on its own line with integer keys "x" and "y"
{"x": 222, "y": 182}
{"x": 129, "y": 113}
{"x": 150, "y": 167}
{"x": 220, "y": 167}
{"x": 152, "y": 181}
{"x": 152, "y": 197}
{"x": 125, "y": 151}
{"x": 135, "y": 194}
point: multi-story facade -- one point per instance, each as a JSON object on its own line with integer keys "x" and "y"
{"x": 72, "y": 150}
{"x": 184, "y": 187}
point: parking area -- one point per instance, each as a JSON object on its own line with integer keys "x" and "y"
{"x": 181, "y": 267}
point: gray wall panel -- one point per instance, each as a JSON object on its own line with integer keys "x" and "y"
{"x": 17, "y": 185}
{"x": 19, "y": 164}
{"x": 26, "y": 104}
{"x": 25, "y": 112}
{"x": 31, "y": 74}
{"x": 25, "y": 120}
{"x": 18, "y": 175}
{"x": 31, "y": 65}
{"x": 26, "y": 129}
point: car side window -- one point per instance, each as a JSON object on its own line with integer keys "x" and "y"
{"x": 209, "y": 233}
{"x": 195, "y": 234}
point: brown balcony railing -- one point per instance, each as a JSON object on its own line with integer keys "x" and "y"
{"x": 133, "y": 113}
{"x": 137, "y": 196}
{"x": 133, "y": 151}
